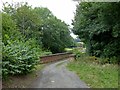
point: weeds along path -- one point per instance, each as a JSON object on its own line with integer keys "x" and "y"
{"x": 56, "y": 75}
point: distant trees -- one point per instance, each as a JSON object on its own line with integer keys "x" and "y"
{"x": 97, "y": 24}
{"x": 41, "y": 24}
{"x": 55, "y": 33}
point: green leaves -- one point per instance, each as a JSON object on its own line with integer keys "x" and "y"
{"x": 98, "y": 23}
{"x": 28, "y": 31}
{"x": 19, "y": 58}
{"x": 116, "y": 31}
{"x": 55, "y": 35}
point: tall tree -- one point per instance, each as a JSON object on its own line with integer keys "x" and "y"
{"x": 55, "y": 33}
{"x": 97, "y": 24}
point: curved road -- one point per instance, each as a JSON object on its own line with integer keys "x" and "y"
{"x": 56, "y": 75}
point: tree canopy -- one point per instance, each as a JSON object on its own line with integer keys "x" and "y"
{"x": 97, "y": 25}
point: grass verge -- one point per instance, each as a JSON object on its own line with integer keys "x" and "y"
{"x": 95, "y": 75}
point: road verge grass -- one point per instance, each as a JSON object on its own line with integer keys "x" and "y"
{"x": 95, "y": 75}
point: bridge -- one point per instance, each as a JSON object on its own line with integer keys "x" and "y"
{"x": 56, "y": 57}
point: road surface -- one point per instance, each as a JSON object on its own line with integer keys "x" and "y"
{"x": 56, "y": 75}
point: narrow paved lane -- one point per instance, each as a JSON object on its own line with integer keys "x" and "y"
{"x": 56, "y": 75}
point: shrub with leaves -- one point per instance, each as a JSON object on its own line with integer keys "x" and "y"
{"x": 19, "y": 58}
{"x": 77, "y": 51}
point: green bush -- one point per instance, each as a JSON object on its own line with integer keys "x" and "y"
{"x": 19, "y": 57}
{"x": 78, "y": 52}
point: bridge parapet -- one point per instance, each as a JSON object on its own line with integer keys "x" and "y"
{"x": 56, "y": 57}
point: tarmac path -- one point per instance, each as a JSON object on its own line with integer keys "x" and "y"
{"x": 56, "y": 75}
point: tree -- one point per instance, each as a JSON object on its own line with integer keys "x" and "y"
{"x": 26, "y": 20}
{"x": 55, "y": 33}
{"x": 18, "y": 55}
{"x": 9, "y": 29}
{"x": 97, "y": 25}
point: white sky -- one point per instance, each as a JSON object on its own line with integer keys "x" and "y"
{"x": 62, "y": 9}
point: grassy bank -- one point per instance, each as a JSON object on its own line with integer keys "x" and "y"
{"x": 95, "y": 75}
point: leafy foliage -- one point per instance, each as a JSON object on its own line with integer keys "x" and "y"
{"x": 27, "y": 34}
{"x": 9, "y": 29}
{"x": 41, "y": 24}
{"x": 97, "y": 24}
{"x": 19, "y": 57}
{"x": 20, "y": 54}
{"x": 55, "y": 33}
